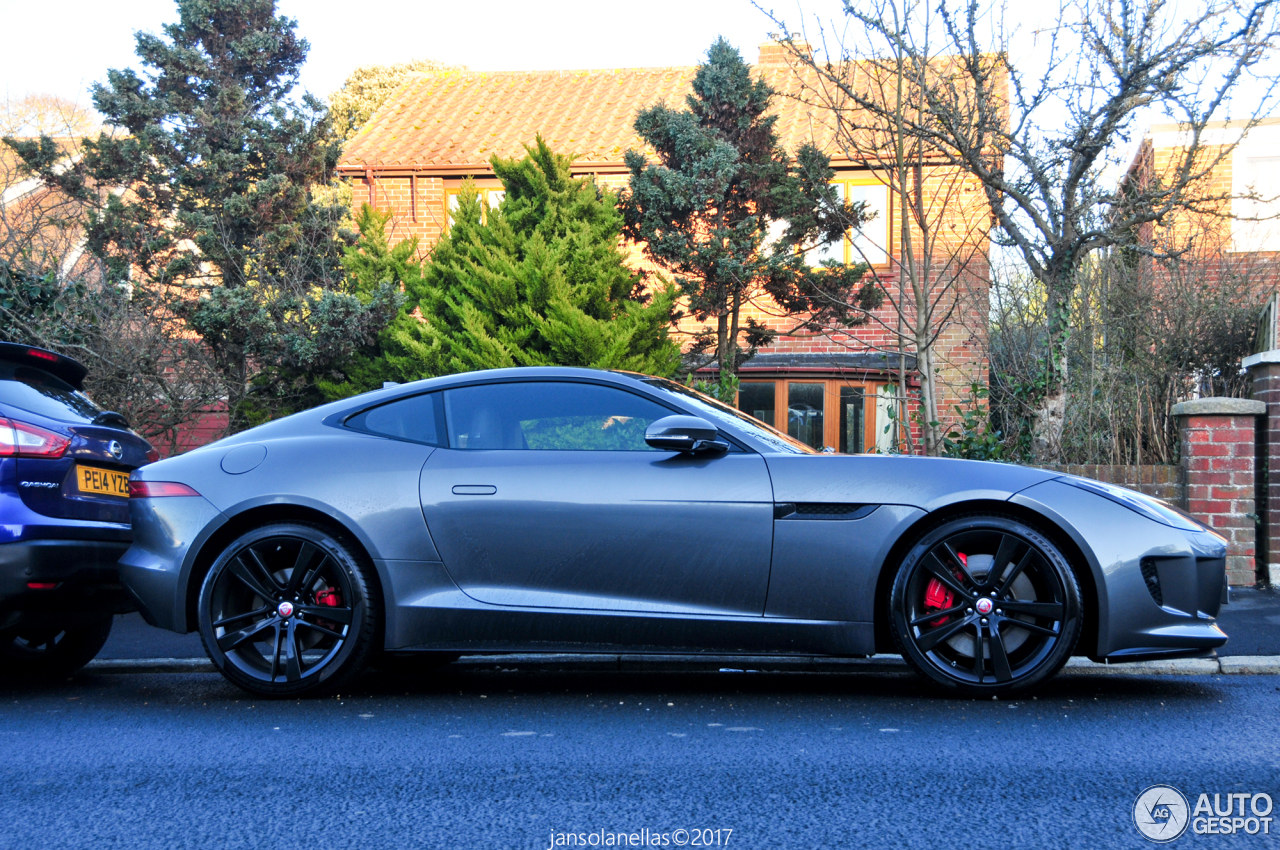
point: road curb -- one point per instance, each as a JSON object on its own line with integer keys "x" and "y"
{"x": 1255, "y": 665}
{"x": 1240, "y": 665}
{"x": 1173, "y": 667}
{"x": 151, "y": 665}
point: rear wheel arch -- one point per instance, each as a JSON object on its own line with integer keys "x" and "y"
{"x": 254, "y": 518}
{"x": 1080, "y": 565}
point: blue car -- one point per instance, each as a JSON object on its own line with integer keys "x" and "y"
{"x": 64, "y": 513}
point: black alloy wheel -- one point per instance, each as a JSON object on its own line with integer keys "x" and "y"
{"x": 287, "y": 610}
{"x": 51, "y": 651}
{"x": 985, "y": 605}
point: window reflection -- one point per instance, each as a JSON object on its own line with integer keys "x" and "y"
{"x": 757, "y": 399}
{"x": 852, "y": 425}
{"x": 804, "y": 413}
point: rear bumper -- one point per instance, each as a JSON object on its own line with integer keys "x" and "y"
{"x": 84, "y": 574}
{"x": 157, "y": 567}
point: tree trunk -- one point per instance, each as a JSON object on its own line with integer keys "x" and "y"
{"x": 928, "y": 393}
{"x": 724, "y": 345}
{"x": 1051, "y": 415}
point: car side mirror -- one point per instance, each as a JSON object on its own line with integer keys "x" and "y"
{"x": 684, "y": 434}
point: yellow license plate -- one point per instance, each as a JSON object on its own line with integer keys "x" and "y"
{"x": 105, "y": 482}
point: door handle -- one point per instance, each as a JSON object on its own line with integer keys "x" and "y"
{"x": 474, "y": 489}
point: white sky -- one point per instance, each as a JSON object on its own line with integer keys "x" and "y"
{"x": 80, "y": 39}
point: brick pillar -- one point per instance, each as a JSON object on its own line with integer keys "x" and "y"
{"x": 1265, "y": 370}
{"x": 1217, "y": 436}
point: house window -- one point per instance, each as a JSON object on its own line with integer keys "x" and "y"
{"x": 853, "y": 427}
{"x": 819, "y": 412}
{"x": 869, "y": 244}
{"x": 756, "y": 398}
{"x": 806, "y": 403}
{"x": 490, "y": 198}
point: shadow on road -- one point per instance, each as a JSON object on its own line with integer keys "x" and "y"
{"x": 471, "y": 682}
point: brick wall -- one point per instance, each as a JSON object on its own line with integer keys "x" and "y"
{"x": 1163, "y": 481}
{"x": 1217, "y": 438}
{"x": 209, "y": 426}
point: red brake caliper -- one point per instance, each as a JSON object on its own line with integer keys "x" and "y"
{"x": 329, "y": 596}
{"x": 938, "y": 597}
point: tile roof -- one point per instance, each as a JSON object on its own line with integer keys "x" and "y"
{"x": 457, "y": 120}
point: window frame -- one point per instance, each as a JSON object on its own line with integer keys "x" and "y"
{"x": 672, "y": 411}
{"x": 831, "y": 404}
{"x": 869, "y": 179}
{"x": 483, "y": 188}
{"x": 437, "y": 409}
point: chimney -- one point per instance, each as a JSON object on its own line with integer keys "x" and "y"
{"x": 777, "y": 54}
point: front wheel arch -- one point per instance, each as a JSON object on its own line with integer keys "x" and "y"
{"x": 1080, "y": 565}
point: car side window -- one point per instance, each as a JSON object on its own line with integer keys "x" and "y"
{"x": 549, "y": 416}
{"x": 416, "y": 418}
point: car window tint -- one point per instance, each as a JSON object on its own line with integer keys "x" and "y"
{"x": 549, "y": 416}
{"x": 416, "y": 418}
{"x": 29, "y": 388}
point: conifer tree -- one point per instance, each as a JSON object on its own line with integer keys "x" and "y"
{"x": 540, "y": 280}
{"x": 729, "y": 213}
{"x": 218, "y": 159}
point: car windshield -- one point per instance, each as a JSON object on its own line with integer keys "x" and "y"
{"x": 35, "y": 390}
{"x": 719, "y": 412}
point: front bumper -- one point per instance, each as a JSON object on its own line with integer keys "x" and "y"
{"x": 1158, "y": 588}
{"x": 84, "y": 576}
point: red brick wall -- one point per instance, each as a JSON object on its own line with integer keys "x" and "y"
{"x": 1218, "y": 453}
{"x": 209, "y": 426}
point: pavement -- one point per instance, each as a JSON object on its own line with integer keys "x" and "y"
{"x": 509, "y": 757}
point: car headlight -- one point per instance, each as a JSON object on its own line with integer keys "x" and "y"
{"x": 1150, "y": 507}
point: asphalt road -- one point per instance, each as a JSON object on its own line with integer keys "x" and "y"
{"x": 493, "y": 757}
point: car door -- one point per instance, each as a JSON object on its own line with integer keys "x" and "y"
{"x": 548, "y": 496}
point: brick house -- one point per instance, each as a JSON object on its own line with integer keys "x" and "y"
{"x": 440, "y": 129}
{"x": 1228, "y": 232}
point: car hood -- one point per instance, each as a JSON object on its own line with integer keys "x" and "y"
{"x": 922, "y": 482}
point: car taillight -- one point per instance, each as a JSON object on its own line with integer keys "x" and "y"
{"x": 152, "y": 455}
{"x": 43, "y": 355}
{"x": 158, "y": 489}
{"x": 20, "y": 439}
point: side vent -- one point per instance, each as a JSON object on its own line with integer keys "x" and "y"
{"x": 1151, "y": 577}
{"x": 822, "y": 510}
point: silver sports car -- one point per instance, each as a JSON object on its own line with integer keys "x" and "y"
{"x": 575, "y": 510}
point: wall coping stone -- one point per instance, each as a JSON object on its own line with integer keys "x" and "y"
{"x": 1220, "y": 406}
{"x": 1272, "y": 356}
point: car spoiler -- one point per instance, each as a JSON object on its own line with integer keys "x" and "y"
{"x": 59, "y": 365}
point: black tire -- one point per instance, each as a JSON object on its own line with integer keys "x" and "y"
{"x": 985, "y": 605}
{"x": 290, "y": 610}
{"x": 413, "y": 663}
{"x": 51, "y": 652}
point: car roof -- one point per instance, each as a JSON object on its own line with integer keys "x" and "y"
{"x": 59, "y": 365}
